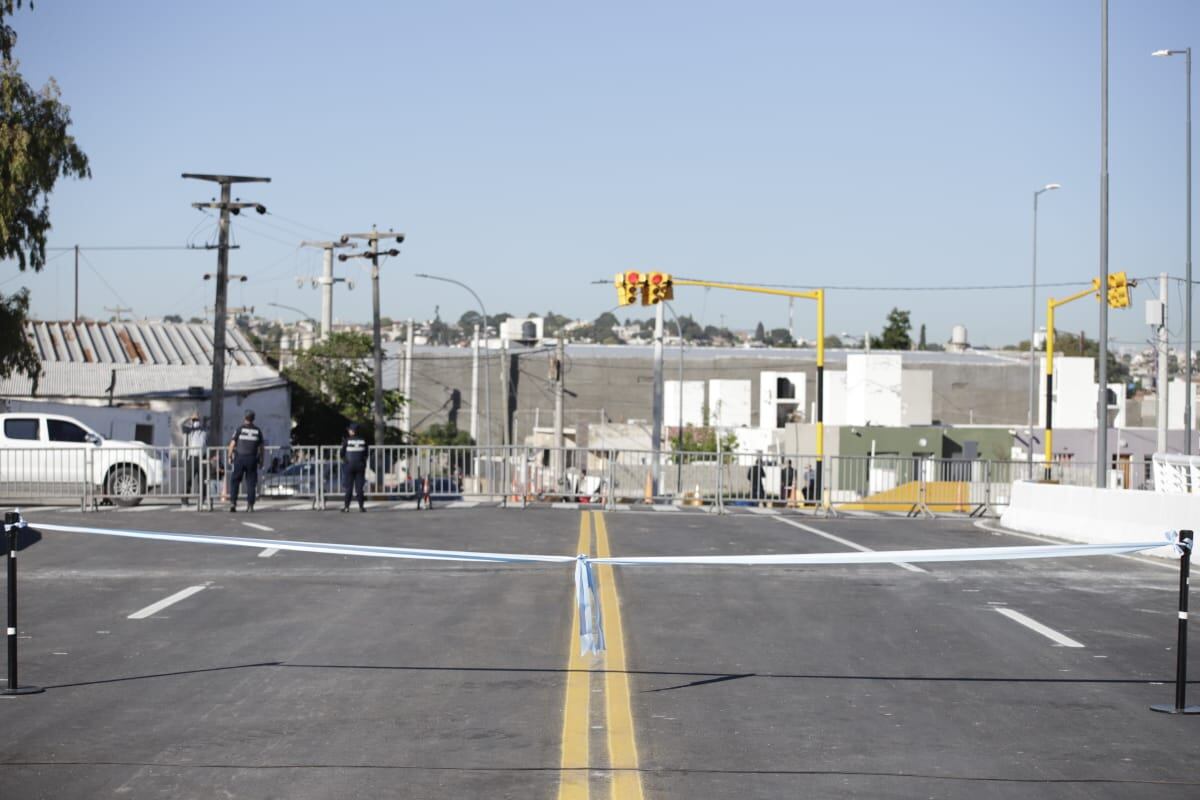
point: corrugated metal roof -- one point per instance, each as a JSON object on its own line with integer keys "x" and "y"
{"x": 149, "y": 343}
{"x": 134, "y": 380}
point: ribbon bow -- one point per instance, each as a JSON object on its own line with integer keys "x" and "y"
{"x": 587, "y": 601}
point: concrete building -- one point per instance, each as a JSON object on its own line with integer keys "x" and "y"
{"x": 138, "y": 380}
{"x": 613, "y": 383}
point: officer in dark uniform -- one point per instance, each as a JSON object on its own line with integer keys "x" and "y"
{"x": 246, "y": 454}
{"x": 354, "y": 465}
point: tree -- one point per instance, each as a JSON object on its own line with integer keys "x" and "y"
{"x": 702, "y": 440}
{"x": 895, "y": 332}
{"x": 921, "y": 340}
{"x": 447, "y": 435}
{"x": 36, "y": 149}
{"x": 760, "y": 333}
{"x": 780, "y": 337}
{"x": 833, "y": 342}
{"x": 333, "y": 384}
{"x": 602, "y": 329}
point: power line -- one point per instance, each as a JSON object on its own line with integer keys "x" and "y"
{"x": 123, "y": 247}
{"x": 92, "y": 267}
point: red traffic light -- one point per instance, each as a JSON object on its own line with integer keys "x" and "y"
{"x": 633, "y": 277}
{"x": 656, "y": 278}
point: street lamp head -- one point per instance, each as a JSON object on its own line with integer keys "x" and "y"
{"x": 1161, "y": 53}
{"x": 1049, "y": 187}
{"x": 421, "y": 275}
{"x": 393, "y": 252}
{"x": 342, "y": 256}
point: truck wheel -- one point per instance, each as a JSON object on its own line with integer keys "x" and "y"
{"x": 125, "y": 484}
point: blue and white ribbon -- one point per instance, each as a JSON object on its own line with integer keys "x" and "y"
{"x": 587, "y": 594}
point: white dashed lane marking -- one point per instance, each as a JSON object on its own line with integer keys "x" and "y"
{"x": 846, "y": 542}
{"x": 167, "y": 602}
{"x": 1037, "y": 627}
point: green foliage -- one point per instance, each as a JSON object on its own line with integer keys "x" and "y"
{"x": 36, "y": 149}
{"x": 895, "y": 332}
{"x": 1078, "y": 344}
{"x": 555, "y": 323}
{"x": 446, "y": 435}
{"x": 332, "y": 385}
{"x": 701, "y": 440}
{"x": 833, "y": 342}
{"x": 780, "y": 337}
{"x": 760, "y": 333}
{"x": 921, "y": 339}
{"x": 16, "y": 353}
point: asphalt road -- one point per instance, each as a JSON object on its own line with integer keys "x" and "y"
{"x": 294, "y": 675}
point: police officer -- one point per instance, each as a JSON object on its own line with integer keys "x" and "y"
{"x": 246, "y": 455}
{"x": 354, "y": 465}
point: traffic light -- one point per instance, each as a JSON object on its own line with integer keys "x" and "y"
{"x": 658, "y": 288}
{"x": 1118, "y": 290}
{"x": 629, "y": 284}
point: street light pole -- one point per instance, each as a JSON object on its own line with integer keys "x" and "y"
{"x": 1033, "y": 315}
{"x": 1187, "y": 306}
{"x": 487, "y": 375}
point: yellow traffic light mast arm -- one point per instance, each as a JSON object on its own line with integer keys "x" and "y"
{"x": 814, "y": 294}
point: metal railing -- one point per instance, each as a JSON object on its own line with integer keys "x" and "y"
{"x": 313, "y": 477}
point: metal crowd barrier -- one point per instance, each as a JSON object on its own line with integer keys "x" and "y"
{"x": 311, "y": 477}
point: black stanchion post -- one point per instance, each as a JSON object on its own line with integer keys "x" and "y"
{"x": 12, "y": 528}
{"x": 1186, "y": 540}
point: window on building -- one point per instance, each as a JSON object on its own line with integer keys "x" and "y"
{"x": 59, "y": 430}
{"x": 143, "y": 434}
{"x": 21, "y": 428}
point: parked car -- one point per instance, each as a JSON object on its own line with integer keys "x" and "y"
{"x": 61, "y": 452}
{"x": 298, "y": 479}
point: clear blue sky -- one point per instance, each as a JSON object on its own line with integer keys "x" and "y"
{"x": 529, "y": 148}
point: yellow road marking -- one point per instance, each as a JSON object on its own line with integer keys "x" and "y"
{"x": 573, "y": 774}
{"x": 622, "y": 745}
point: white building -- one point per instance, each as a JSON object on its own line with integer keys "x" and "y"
{"x": 159, "y": 367}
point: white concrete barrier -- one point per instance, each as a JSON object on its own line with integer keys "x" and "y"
{"x": 1083, "y": 514}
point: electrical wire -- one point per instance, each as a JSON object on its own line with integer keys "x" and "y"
{"x": 921, "y": 288}
{"x": 92, "y": 267}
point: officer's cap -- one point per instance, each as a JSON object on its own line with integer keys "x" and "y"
{"x": 250, "y": 416}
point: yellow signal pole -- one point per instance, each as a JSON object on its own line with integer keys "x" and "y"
{"x": 819, "y": 296}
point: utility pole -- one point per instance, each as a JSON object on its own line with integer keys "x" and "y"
{"x": 374, "y": 254}
{"x": 226, "y": 206}
{"x": 234, "y": 310}
{"x": 1102, "y": 393}
{"x": 656, "y": 403}
{"x": 1157, "y": 316}
{"x": 504, "y": 392}
{"x": 557, "y": 374}
{"x": 475, "y": 387}
{"x": 118, "y": 310}
{"x": 326, "y": 282}
{"x": 76, "y": 284}
{"x": 408, "y": 384}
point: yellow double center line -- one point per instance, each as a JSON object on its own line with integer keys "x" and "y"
{"x": 626, "y": 781}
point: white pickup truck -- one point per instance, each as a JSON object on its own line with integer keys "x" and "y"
{"x": 49, "y": 454}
